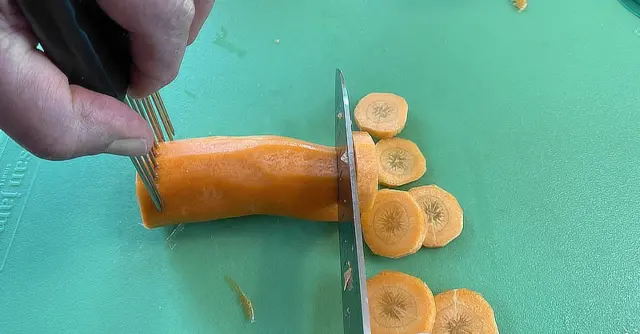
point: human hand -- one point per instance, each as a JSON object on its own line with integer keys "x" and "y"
{"x": 58, "y": 121}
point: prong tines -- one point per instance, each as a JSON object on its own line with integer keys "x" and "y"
{"x": 147, "y": 181}
{"x": 164, "y": 116}
{"x": 151, "y": 118}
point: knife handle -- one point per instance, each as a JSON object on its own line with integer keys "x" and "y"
{"x": 92, "y": 50}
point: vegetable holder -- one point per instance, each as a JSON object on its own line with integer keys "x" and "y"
{"x": 93, "y": 51}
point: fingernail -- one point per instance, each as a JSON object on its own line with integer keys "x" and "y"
{"x": 129, "y": 147}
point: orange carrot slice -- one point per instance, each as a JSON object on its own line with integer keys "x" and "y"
{"x": 383, "y": 115}
{"x": 442, "y": 214}
{"x": 394, "y": 227}
{"x": 400, "y": 303}
{"x": 463, "y": 311}
{"x": 399, "y": 162}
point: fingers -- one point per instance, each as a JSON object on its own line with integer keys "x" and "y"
{"x": 203, "y": 9}
{"x": 56, "y": 121}
{"x": 159, "y": 31}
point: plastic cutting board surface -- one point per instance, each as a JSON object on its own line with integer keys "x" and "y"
{"x": 531, "y": 119}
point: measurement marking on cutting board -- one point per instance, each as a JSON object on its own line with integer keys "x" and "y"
{"x": 4, "y": 146}
{"x": 16, "y": 182}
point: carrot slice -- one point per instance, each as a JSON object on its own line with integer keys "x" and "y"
{"x": 400, "y": 303}
{"x": 399, "y": 162}
{"x": 203, "y": 179}
{"x": 383, "y": 115}
{"x": 442, "y": 214}
{"x": 394, "y": 227}
{"x": 463, "y": 311}
{"x": 366, "y": 170}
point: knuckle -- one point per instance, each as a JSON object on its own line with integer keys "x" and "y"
{"x": 179, "y": 13}
{"x": 187, "y": 10}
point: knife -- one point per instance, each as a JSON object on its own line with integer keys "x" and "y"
{"x": 632, "y": 5}
{"x": 355, "y": 305}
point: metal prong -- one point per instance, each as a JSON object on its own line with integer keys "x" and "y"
{"x": 163, "y": 123}
{"x": 152, "y": 115}
{"x": 157, "y": 100}
{"x": 149, "y": 166}
{"x": 152, "y": 157}
{"x": 151, "y": 109}
{"x": 148, "y": 183}
{"x": 151, "y": 118}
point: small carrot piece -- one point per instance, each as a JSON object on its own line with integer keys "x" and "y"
{"x": 520, "y": 4}
{"x": 400, "y": 303}
{"x": 399, "y": 162}
{"x": 442, "y": 214}
{"x": 383, "y": 115}
{"x": 204, "y": 179}
{"x": 394, "y": 227}
{"x": 463, "y": 311}
{"x": 244, "y": 300}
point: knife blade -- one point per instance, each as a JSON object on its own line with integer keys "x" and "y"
{"x": 355, "y": 305}
{"x": 632, "y": 5}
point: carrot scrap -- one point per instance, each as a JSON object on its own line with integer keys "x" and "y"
{"x": 244, "y": 300}
{"x": 520, "y": 4}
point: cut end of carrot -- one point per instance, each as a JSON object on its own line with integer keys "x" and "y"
{"x": 399, "y": 162}
{"x": 383, "y": 115}
{"x": 366, "y": 170}
{"x": 466, "y": 311}
{"x": 400, "y": 303}
{"x": 394, "y": 227}
{"x": 442, "y": 214}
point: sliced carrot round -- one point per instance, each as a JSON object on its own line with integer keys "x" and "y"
{"x": 366, "y": 170}
{"x": 442, "y": 214}
{"x": 383, "y": 115}
{"x": 399, "y": 162}
{"x": 463, "y": 311}
{"x": 400, "y": 303}
{"x": 394, "y": 227}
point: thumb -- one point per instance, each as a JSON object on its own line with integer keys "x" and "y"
{"x": 58, "y": 121}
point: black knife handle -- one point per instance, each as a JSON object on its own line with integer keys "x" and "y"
{"x": 92, "y": 50}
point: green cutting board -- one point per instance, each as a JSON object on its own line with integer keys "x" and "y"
{"x": 531, "y": 119}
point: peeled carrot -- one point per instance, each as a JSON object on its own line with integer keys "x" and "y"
{"x": 400, "y": 303}
{"x": 211, "y": 178}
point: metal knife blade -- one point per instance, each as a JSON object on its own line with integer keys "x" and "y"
{"x": 355, "y": 305}
{"x": 632, "y": 5}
